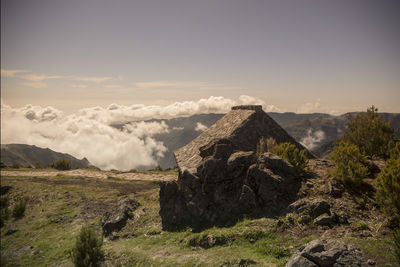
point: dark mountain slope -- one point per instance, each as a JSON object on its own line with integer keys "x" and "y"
{"x": 28, "y": 156}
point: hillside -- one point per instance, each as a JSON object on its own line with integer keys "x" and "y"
{"x": 59, "y": 205}
{"x": 28, "y": 156}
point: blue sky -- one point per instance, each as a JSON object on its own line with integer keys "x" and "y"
{"x": 329, "y": 56}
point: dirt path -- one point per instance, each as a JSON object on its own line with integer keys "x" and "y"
{"x": 93, "y": 174}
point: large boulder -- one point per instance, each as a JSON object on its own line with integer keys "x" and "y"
{"x": 326, "y": 253}
{"x": 222, "y": 178}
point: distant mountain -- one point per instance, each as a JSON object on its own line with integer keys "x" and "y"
{"x": 318, "y": 131}
{"x": 28, "y": 156}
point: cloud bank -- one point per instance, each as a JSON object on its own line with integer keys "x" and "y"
{"x": 200, "y": 127}
{"x": 312, "y": 139}
{"x": 88, "y": 132}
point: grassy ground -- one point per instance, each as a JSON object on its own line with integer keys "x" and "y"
{"x": 59, "y": 206}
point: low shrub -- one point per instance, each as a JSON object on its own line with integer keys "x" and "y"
{"x": 276, "y": 248}
{"x": 158, "y": 168}
{"x": 388, "y": 188}
{"x": 350, "y": 164}
{"x": 360, "y": 226}
{"x": 298, "y": 158}
{"x": 87, "y": 250}
{"x": 4, "y": 212}
{"x": 38, "y": 165}
{"x": 395, "y": 151}
{"x": 396, "y": 239}
{"x": 62, "y": 164}
{"x": 19, "y": 208}
{"x": 370, "y": 133}
{"x": 15, "y": 165}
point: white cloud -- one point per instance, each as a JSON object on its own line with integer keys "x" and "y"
{"x": 310, "y": 107}
{"x": 200, "y": 127}
{"x": 39, "y": 78}
{"x": 11, "y": 73}
{"x": 35, "y": 84}
{"x": 169, "y": 84}
{"x": 83, "y": 136}
{"x": 178, "y": 128}
{"x": 93, "y": 79}
{"x": 312, "y": 139}
{"x": 87, "y": 133}
{"x": 115, "y": 113}
{"x": 80, "y": 86}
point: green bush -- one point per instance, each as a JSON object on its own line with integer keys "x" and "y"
{"x": 62, "y": 164}
{"x": 158, "y": 168}
{"x": 38, "y": 165}
{"x": 350, "y": 164}
{"x": 87, "y": 250}
{"x": 4, "y": 212}
{"x": 395, "y": 151}
{"x": 388, "y": 187}
{"x": 15, "y": 165}
{"x": 369, "y": 133}
{"x": 360, "y": 225}
{"x": 19, "y": 208}
{"x": 396, "y": 237}
{"x": 298, "y": 158}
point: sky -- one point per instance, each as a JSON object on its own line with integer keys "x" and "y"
{"x": 299, "y": 56}
{"x": 71, "y": 69}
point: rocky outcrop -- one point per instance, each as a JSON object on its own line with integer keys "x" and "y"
{"x": 325, "y": 253}
{"x": 221, "y": 178}
{"x": 314, "y": 208}
{"x": 115, "y": 220}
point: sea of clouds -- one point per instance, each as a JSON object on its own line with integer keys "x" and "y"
{"x": 88, "y": 132}
{"x": 313, "y": 138}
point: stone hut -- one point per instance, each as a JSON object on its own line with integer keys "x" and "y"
{"x": 221, "y": 179}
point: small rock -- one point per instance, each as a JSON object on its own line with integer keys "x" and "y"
{"x": 113, "y": 237}
{"x": 314, "y": 208}
{"x": 327, "y": 253}
{"x": 4, "y": 189}
{"x": 37, "y": 251}
{"x": 335, "y": 191}
{"x": 11, "y": 231}
{"x": 325, "y": 220}
{"x": 116, "y": 220}
{"x": 246, "y": 262}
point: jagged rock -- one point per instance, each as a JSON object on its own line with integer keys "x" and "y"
{"x": 325, "y": 220}
{"x": 208, "y": 241}
{"x": 326, "y": 253}
{"x": 299, "y": 261}
{"x": 221, "y": 178}
{"x": 314, "y": 208}
{"x": 335, "y": 191}
{"x": 115, "y": 220}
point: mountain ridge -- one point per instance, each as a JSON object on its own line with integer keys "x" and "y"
{"x": 24, "y": 155}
